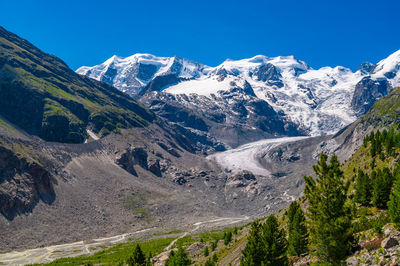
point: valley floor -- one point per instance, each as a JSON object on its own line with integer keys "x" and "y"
{"x": 50, "y": 253}
{"x": 245, "y": 157}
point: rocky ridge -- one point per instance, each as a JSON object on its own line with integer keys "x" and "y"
{"x": 310, "y": 101}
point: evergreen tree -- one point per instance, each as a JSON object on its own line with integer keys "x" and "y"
{"x": 206, "y": 252}
{"x": 298, "y": 236}
{"x": 363, "y": 188}
{"x": 275, "y": 244}
{"x": 329, "y": 216}
{"x": 214, "y": 257}
{"x": 389, "y": 142}
{"x": 214, "y": 245}
{"x": 394, "y": 204}
{"x": 293, "y": 207}
{"x": 149, "y": 258}
{"x": 227, "y": 238}
{"x": 382, "y": 185}
{"x": 253, "y": 253}
{"x": 266, "y": 244}
{"x": 179, "y": 258}
{"x": 138, "y": 258}
{"x": 365, "y": 141}
{"x": 209, "y": 262}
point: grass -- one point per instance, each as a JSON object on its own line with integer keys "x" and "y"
{"x": 387, "y": 109}
{"x": 205, "y": 237}
{"x": 7, "y": 127}
{"x": 64, "y": 93}
{"x": 136, "y": 203}
{"x": 22, "y": 150}
{"x": 53, "y": 108}
{"x": 117, "y": 254}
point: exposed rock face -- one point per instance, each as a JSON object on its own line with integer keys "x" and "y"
{"x": 139, "y": 156}
{"x": 159, "y": 82}
{"x": 269, "y": 73}
{"x": 131, "y": 157}
{"x": 155, "y": 168}
{"x": 389, "y": 243}
{"x": 22, "y": 184}
{"x": 366, "y": 68}
{"x": 367, "y": 91}
{"x": 229, "y": 118}
{"x": 178, "y": 115}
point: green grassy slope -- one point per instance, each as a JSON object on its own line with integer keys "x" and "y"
{"x": 385, "y": 111}
{"x": 41, "y": 95}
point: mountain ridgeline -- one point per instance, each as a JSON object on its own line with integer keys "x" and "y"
{"x": 42, "y": 96}
{"x": 305, "y": 101}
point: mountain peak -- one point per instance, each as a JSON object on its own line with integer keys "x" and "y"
{"x": 366, "y": 68}
{"x": 133, "y": 73}
{"x": 389, "y": 68}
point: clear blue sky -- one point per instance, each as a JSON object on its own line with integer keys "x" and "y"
{"x": 320, "y": 32}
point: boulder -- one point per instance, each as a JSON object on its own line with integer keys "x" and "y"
{"x": 154, "y": 167}
{"x": 352, "y": 261}
{"x": 389, "y": 243}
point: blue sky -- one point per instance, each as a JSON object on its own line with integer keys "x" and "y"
{"x": 319, "y": 32}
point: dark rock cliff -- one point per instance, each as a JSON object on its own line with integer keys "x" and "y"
{"x": 22, "y": 184}
{"x": 366, "y": 92}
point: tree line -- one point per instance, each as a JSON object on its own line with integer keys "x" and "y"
{"x": 326, "y": 229}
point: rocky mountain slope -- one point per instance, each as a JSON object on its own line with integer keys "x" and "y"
{"x": 297, "y": 156}
{"x": 304, "y": 101}
{"x": 40, "y": 94}
{"x": 138, "y": 172}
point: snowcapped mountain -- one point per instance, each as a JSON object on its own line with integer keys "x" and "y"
{"x": 131, "y": 74}
{"x": 318, "y": 100}
{"x": 305, "y": 100}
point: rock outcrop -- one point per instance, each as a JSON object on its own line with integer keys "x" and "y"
{"x": 139, "y": 156}
{"x": 22, "y": 184}
{"x": 366, "y": 92}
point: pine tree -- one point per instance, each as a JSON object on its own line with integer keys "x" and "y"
{"x": 179, "y": 258}
{"x": 138, "y": 258}
{"x": 214, "y": 257}
{"x": 293, "y": 207}
{"x": 298, "y": 236}
{"x": 253, "y": 253}
{"x": 394, "y": 204}
{"x": 389, "y": 142}
{"x": 206, "y": 252}
{"x": 329, "y": 216}
{"x": 365, "y": 141}
{"x": 363, "y": 188}
{"x": 214, "y": 245}
{"x": 209, "y": 262}
{"x": 275, "y": 243}
{"x": 227, "y": 238}
{"x": 382, "y": 185}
